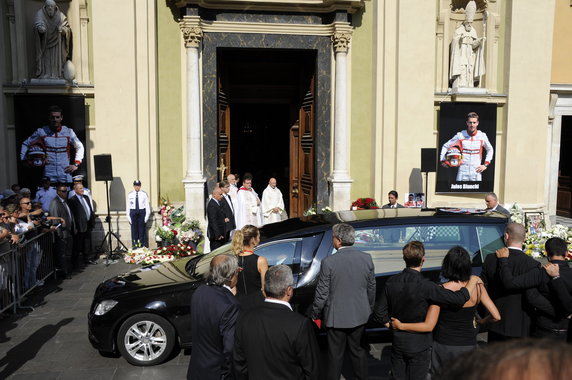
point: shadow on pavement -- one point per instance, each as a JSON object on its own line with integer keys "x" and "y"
{"x": 27, "y": 350}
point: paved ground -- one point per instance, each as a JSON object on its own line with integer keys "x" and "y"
{"x": 50, "y": 342}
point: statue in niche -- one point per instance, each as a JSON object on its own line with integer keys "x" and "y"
{"x": 467, "y": 54}
{"x": 53, "y": 42}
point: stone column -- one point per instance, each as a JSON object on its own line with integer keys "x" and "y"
{"x": 194, "y": 180}
{"x": 340, "y": 179}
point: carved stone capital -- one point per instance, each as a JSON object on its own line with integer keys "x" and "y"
{"x": 341, "y": 41}
{"x": 192, "y": 36}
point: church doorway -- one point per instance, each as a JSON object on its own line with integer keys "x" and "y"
{"x": 266, "y": 120}
{"x": 564, "y": 196}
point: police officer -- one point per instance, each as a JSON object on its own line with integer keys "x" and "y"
{"x": 138, "y": 212}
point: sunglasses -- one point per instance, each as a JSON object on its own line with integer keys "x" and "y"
{"x": 25, "y": 203}
{"x": 63, "y": 191}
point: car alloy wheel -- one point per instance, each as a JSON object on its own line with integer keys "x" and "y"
{"x": 146, "y": 339}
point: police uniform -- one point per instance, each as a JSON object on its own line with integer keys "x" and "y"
{"x": 45, "y": 197}
{"x": 138, "y": 212}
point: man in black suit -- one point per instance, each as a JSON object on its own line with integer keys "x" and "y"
{"x": 215, "y": 215}
{"x": 345, "y": 296}
{"x": 63, "y": 237}
{"x": 84, "y": 222}
{"x": 214, "y": 311}
{"x": 227, "y": 208}
{"x": 551, "y": 306}
{"x": 272, "y": 341}
{"x": 515, "y": 312}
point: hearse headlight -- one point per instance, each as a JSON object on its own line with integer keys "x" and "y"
{"x": 104, "y": 306}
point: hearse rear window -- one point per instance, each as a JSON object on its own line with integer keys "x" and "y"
{"x": 385, "y": 243}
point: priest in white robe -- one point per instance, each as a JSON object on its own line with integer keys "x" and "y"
{"x": 247, "y": 210}
{"x": 272, "y": 203}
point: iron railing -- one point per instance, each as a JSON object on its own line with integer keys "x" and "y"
{"x": 24, "y": 267}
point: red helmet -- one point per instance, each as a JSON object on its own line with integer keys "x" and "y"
{"x": 454, "y": 157}
{"x": 36, "y": 155}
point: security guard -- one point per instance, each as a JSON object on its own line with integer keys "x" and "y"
{"x": 138, "y": 212}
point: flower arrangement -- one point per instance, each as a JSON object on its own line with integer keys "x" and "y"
{"x": 516, "y": 214}
{"x": 534, "y": 242}
{"x": 165, "y": 234}
{"x": 191, "y": 232}
{"x": 364, "y": 203}
{"x": 166, "y": 210}
{"x": 175, "y": 229}
{"x": 160, "y": 255}
{"x": 313, "y": 211}
{"x": 310, "y": 211}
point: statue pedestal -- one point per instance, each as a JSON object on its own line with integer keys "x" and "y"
{"x": 469, "y": 91}
{"x": 49, "y": 82}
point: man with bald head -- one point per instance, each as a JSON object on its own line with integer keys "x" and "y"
{"x": 514, "y": 310}
{"x": 272, "y": 203}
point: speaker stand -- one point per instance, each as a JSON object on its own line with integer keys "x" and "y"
{"x": 426, "y": 193}
{"x": 112, "y": 254}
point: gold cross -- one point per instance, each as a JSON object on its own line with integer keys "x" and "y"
{"x": 221, "y": 169}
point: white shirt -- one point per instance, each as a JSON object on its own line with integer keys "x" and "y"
{"x": 143, "y": 203}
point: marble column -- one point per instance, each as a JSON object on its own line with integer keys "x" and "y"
{"x": 340, "y": 179}
{"x": 194, "y": 181}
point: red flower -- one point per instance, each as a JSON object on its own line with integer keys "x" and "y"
{"x": 365, "y": 203}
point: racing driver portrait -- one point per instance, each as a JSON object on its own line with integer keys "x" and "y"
{"x": 465, "y": 152}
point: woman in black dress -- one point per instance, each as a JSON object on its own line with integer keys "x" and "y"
{"x": 454, "y": 328}
{"x": 249, "y": 288}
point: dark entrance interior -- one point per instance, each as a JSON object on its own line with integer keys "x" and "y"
{"x": 260, "y": 142}
{"x": 564, "y": 197}
{"x": 261, "y": 96}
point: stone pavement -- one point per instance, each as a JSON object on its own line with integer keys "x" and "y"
{"x": 51, "y": 341}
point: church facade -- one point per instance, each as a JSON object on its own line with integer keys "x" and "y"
{"x": 334, "y": 98}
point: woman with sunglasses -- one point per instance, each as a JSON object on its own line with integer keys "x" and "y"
{"x": 251, "y": 280}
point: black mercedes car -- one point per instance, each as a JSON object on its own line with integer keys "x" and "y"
{"x": 144, "y": 313}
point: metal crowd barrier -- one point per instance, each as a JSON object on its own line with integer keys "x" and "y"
{"x": 24, "y": 267}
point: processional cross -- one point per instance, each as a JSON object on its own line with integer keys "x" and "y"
{"x": 221, "y": 169}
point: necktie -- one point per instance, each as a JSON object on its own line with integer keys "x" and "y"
{"x": 85, "y": 206}
{"x": 136, "y": 200}
{"x": 230, "y": 203}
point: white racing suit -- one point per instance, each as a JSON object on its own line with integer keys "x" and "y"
{"x": 58, "y": 151}
{"x": 472, "y": 151}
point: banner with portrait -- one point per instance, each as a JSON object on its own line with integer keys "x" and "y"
{"x": 31, "y": 111}
{"x": 466, "y": 151}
